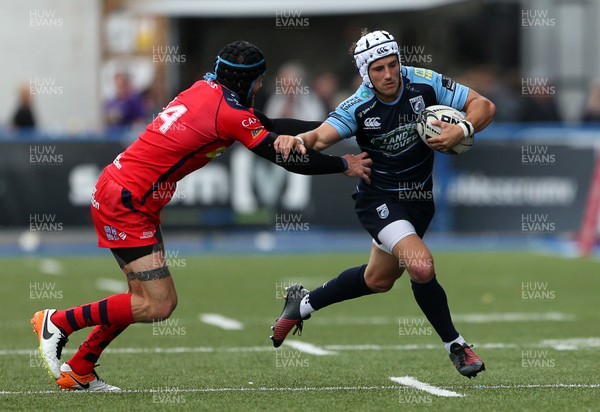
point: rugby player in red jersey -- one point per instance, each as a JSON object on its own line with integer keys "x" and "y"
{"x": 199, "y": 124}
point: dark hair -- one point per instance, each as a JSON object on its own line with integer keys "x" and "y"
{"x": 363, "y": 32}
{"x": 238, "y": 65}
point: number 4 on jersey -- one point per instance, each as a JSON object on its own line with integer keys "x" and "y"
{"x": 170, "y": 116}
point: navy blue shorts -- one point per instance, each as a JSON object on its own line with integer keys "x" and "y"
{"x": 376, "y": 210}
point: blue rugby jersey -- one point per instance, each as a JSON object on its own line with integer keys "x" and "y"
{"x": 388, "y": 133}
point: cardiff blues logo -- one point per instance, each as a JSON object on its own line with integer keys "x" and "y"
{"x": 383, "y": 211}
{"x": 417, "y": 104}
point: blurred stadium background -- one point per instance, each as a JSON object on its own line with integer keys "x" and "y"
{"x": 66, "y": 63}
{"x": 516, "y": 219}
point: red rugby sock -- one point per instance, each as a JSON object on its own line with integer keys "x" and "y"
{"x": 84, "y": 360}
{"x": 114, "y": 310}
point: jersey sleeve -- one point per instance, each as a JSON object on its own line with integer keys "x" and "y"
{"x": 241, "y": 125}
{"x": 447, "y": 91}
{"x": 343, "y": 118}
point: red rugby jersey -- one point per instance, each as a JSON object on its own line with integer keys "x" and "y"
{"x": 199, "y": 124}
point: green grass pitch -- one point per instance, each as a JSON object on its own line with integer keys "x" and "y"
{"x": 550, "y": 363}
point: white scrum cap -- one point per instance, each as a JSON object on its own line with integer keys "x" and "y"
{"x": 373, "y": 46}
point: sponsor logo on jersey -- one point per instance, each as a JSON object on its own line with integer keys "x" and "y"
{"x": 147, "y": 234}
{"x": 397, "y": 140}
{"x": 256, "y": 132}
{"x": 448, "y": 83}
{"x": 372, "y": 123}
{"x": 408, "y": 86}
{"x": 95, "y": 203}
{"x": 350, "y": 102}
{"x": 365, "y": 111}
{"x": 365, "y": 94}
{"x": 117, "y": 161}
{"x": 212, "y": 84}
{"x": 111, "y": 233}
{"x": 417, "y": 103}
{"x": 249, "y": 122}
{"x": 231, "y": 99}
{"x": 421, "y": 72}
{"x": 383, "y": 211}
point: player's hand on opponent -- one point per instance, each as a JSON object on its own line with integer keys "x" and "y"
{"x": 285, "y": 144}
{"x": 358, "y": 166}
{"x": 451, "y": 135}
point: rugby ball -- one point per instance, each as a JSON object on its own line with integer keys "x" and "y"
{"x": 446, "y": 114}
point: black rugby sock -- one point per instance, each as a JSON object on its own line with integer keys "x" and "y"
{"x": 349, "y": 284}
{"x": 432, "y": 300}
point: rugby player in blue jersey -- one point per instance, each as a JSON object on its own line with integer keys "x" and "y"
{"x": 397, "y": 205}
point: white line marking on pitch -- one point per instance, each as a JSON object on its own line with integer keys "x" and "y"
{"x": 132, "y": 351}
{"x": 557, "y": 344}
{"x": 308, "y": 348}
{"x": 571, "y": 343}
{"x": 513, "y": 317}
{"x": 424, "y": 346}
{"x": 463, "y": 318}
{"x": 205, "y": 390}
{"x": 221, "y": 321}
{"x": 111, "y": 285}
{"x": 533, "y": 386}
{"x": 434, "y": 390}
{"x": 51, "y": 267}
{"x": 300, "y": 389}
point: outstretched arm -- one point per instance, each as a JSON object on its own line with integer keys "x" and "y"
{"x": 319, "y": 139}
{"x": 311, "y": 162}
{"x": 284, "y": 125}
{"x": 322, "y": 137}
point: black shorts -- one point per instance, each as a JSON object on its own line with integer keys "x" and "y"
{"x": 126, "y": 255}
{"x": 376, "y": 210}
